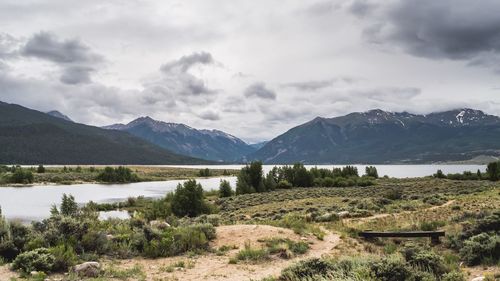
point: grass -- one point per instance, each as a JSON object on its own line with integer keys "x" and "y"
{"x": 186, "y": 264}
{"x": 82, "y": 174}
{"x": 250, "y": 254}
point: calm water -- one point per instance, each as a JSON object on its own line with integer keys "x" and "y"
{"x": 33, "y": 203}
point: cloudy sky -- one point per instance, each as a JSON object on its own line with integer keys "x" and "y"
{"x": 251, "y": 68}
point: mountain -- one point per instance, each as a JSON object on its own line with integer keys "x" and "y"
{"x": 32, "y": 137}
{"x": 206, "y": 144}
{"x": 58, "y": 114}
{"x": 381, "y": 137}
{"x": 258, "y": 145}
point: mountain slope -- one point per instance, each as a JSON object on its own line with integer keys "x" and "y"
{"x": 207, "y": 144}
{"x": 377, "y": 136}
{"x": 32, "y": 137}
{"x": 58, "y": 114}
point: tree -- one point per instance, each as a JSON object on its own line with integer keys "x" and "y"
{"x": 40, "y": 169}
{"x": 439, "y": 174}
{"x": 371, "y": 171}
{"x": 270, "y": 180}
{"x": 493, "y": 171}
{"x": 225, "y": 189}
{"x": 187, "y": 199}
{"x": 250, "y": 179}
{"x": 302, "y": 177}
{"x": 68, "y": 205}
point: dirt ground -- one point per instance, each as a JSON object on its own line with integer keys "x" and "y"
{"x": 213, "y": 267}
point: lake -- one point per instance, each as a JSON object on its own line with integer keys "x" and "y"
{"x": 33, "y": 203}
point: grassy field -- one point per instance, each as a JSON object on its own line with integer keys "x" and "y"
{"x": 89, "y": 174}
{"x": 309, "y": 234}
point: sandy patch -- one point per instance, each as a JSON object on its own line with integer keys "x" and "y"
{"x": 213, "y": 267}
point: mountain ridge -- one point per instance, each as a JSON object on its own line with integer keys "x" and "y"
{"x": 378, "y": 136}
{"x": 31, "y": 137}
{"x": 207, "y": 144}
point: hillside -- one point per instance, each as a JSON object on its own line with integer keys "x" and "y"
{"x": 31, "y": 137}
{"x": 206, "y": 144}
{"x": 380, "y": 137}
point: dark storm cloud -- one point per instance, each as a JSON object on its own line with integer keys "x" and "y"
{"x": 184, "y": 63}
{"x": 76, "y": 60}
{"x": 451, "y": 29}
{"x": 260, "y": 90}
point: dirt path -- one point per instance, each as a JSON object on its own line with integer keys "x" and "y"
{"x": 379, "y": 216}
{"x": 6, "y": 274}
{"x": 213, "y": 267}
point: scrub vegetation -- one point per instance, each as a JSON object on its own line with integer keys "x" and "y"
{"x": 187, "y": 223}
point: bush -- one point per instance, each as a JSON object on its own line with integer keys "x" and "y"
{"x": 453, "y": 276}
{"x": 307, "y": 269}
{"x": 21, "y": 175}
{"x": 252, "y": 254}
{"x": 120, "y": 174}
{"x": 37, "y": 260}
{"x": 482, "y": 248}
{"x": 390, "y": 270}
{"x": 64, "y": 257}
{"x": 283, "y": 184}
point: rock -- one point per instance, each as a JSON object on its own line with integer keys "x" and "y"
{"x": 159, "y": 224}
{"x": 480, "y": 278}
{"x": 88, "y": 269}
{"x": 343, "y": 214}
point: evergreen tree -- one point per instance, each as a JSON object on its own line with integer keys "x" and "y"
{"x": 371, "y": 171}
{"x": 68, "y": 205}
{"x": 40, "y": 169}
{"x": 225, "y": 189}
{"x": 493, "y": 171}
{"x": 187, "y": 199}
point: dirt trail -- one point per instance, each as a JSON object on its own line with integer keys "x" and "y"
{"x": 213, "y": 267}
{"x": 6, "y": 274}
{"x": 379, "y": 216}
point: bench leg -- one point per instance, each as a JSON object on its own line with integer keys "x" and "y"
{"x": 435, "y": 240}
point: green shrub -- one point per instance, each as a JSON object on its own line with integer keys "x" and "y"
{"x": 307, "y": 269}
{"x": 453, "y": 276}
{"x": 390, "y": 270}
{"x": 37, "y": 260}
{"x": 21, "y": 175}
{"x": 120, "y": 174}
{"x": 40, "y": 169}
{"x": 64, "y": 257}
{"x": 252, "y": 254}
{"x": 283, "y": 184}
{"x": 482, "y": 248}
{"x": 423, "y": 258}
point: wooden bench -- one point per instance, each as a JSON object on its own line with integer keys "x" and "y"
{"x": 434, "y": 235}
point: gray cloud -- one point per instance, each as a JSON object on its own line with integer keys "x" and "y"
{"x": 450, "y": 29}
{"x": 260, "y": 90}
{"x": 8, "y": 46}
{"x": 209, "y": 115}
{"x": 76, "y": 60}
{"x": 184, "y": 63}
{"x": 315, "y": 85}
{"x": 361, "y": 8}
